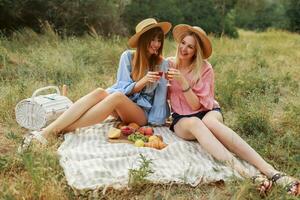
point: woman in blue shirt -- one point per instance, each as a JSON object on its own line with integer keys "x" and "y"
{"x": 139, "y": 95}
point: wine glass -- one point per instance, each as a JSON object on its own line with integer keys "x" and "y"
{"x": 160, "y": 73}
{"x": 167, "y": 76}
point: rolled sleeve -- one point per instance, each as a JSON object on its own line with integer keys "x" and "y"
{"x": 124, "y": 83}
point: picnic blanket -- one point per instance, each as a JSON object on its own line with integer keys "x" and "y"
{"x": 91, "y": 162}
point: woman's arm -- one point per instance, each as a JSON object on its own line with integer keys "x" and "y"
{"x": 150, "y": 77}
{"x": 124, "y": 83}
{"x": 188, "y": 93}
{"x": 190, "y": 96}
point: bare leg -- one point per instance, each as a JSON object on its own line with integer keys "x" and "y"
{"x": 190, "y": 128}
{"x": 127, "y": 110}
{"x": 235, "y": 143}
{"x": 75, "y": 111}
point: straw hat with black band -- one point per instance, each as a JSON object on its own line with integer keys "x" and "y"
{"x": 181, "y": 29}
{"x": 146, "y": 25}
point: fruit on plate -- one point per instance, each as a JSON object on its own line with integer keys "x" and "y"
{"x": 126, "y": 130}
{"x": 134, "y": 126}
{"x": 157, "y": 144}
{"x": 141, "y": 130}
{"x": 153, "y": 137}
{"x": 121, "y": 124}
{"x": 137, "y": 136}
{"x": 139, "y": 143}
{"x": 148, "y": 131}
{"x": 160, "y": 137}
{"x": 114, "y": 133}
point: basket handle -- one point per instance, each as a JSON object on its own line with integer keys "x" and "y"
{"x": 45, "y": 88}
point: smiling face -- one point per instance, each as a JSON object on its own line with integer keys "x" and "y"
{"x": 154, "y": 46}
{"x": 187, "y": 48}
{"x": 189, "y": 54}
{"x": 151, "y": 42}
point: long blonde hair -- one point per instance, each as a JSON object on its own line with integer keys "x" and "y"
{"x": 141, "y": 63}
{"x": 197, "y": 61}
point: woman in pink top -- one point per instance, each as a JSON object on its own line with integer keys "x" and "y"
{"x": 196, "y": 114}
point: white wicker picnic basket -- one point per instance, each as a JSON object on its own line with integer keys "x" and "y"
{"x": 38, "y": 111}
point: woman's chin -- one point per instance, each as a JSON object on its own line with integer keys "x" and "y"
{"x": 182, "y": 57}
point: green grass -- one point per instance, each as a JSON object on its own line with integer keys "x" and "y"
{"x": 257, "y": 85}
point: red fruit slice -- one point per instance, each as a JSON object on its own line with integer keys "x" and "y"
{"x": 142, "y": 130}
{"x": 126, "y": 130}
{"x": 148, "y": 131}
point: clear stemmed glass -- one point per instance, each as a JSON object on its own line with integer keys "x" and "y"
{"x": 167, "y": 74}
{"x": 164, "y": 74}
{"x": 167, "y": 78}
{"x": 160, "y": 73}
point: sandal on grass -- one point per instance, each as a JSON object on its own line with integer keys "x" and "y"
{"x": 291, "y": 184}
{"x": 263, "y": 183}
{"x": 27, "y": 140}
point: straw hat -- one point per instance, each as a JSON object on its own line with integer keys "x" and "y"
{"x": 181, "y": 29}
{"x": 146, "y": 25}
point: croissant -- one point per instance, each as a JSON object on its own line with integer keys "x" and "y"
{"x": 157, "y": 144}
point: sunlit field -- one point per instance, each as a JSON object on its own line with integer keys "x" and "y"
{"x": 257, "y": 84}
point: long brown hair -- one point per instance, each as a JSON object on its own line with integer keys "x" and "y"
{"x": 141, "y": 63}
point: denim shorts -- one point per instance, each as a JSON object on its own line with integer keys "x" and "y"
{"x": 176, "y": 117}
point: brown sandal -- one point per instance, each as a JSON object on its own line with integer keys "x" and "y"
{"x": 291, "y": 184}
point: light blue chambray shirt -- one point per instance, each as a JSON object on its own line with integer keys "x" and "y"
{"x": 152, "y": 99}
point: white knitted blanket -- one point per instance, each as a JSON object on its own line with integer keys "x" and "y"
{"x": 90, "y": 161}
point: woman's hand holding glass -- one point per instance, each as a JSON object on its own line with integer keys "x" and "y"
{"x": 172, "y": 65}
{"x": 175, "y": 74}
{"x": 151, "y": 77}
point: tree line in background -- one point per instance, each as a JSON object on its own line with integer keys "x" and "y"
{"x": 110, "y": 17}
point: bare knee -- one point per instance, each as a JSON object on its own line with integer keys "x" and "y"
{"x": 192, "y": 126}
{"x": 117, "y": 97}
{"x": 99, "y": 93}
{"x": 211, "y": 120}
{"x": 193, "y": 122}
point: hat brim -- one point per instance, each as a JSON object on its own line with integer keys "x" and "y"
{"x": 165, "y": 26}
{"x": 181, "y": 29}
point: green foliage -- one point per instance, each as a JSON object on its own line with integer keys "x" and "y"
{"x": 229, "y": 27}
{"x": 293, "y": 13}
{"x": 257, "y": 86}
{"x": 261, "y": 14}
{"x": 66, "y": 16}
{"x": 254, "y": 120}
{"x": 194, "y": 12}
{"x": 225, "y": 10}
{"x": 137, "y": 176}
{"x": 235, "y": 88}
{"x": 208, "y": 18}
{"x": 3, "y": 163}
{"x": 118, "y": 17}
{"x": 138, "y": 10}
{"x": 291, "y": 118}
{"x": 37, "y": 61}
